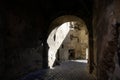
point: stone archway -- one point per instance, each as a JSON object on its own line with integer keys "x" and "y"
{"x": 59, "y": 30}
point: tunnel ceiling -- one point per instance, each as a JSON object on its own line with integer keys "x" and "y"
{"x": 50, "y": 7}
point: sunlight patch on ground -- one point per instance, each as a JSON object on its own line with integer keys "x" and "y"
{"x": 82, "y": 61}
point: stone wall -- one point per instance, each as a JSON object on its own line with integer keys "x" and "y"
{"x": 76, "y": 40}
{"x": 23, "y": 43}
{"x": 55, "y": 40}
{"x": 104, "y": 38}
{"x": 2, "y": 59}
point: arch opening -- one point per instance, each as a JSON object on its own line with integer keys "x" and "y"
{"x": 68, "y": 40}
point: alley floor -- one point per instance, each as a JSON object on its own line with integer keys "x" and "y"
{"x": 68, "y": 70}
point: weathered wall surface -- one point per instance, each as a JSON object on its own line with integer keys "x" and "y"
{"x": 55, "y": 40}
{"x": 104, "y": 38}
{"x": 23, "y": 43}
{"x": 77, "y": 40}
{"x": 2, "y": 56}
{"x": 117, "y": 10}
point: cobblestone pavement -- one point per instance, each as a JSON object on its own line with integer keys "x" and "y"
{"x": 69, "y": 70}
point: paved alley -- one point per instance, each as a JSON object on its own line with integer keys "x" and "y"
{"x": 69, "y": 70}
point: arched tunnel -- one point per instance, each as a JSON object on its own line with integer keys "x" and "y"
{"x": 72, "y": 33}
{"x": 60, "y": 40}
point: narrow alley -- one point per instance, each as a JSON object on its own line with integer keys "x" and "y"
{"x": 52, "y": 39}
{"x": 68, "y": 70}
